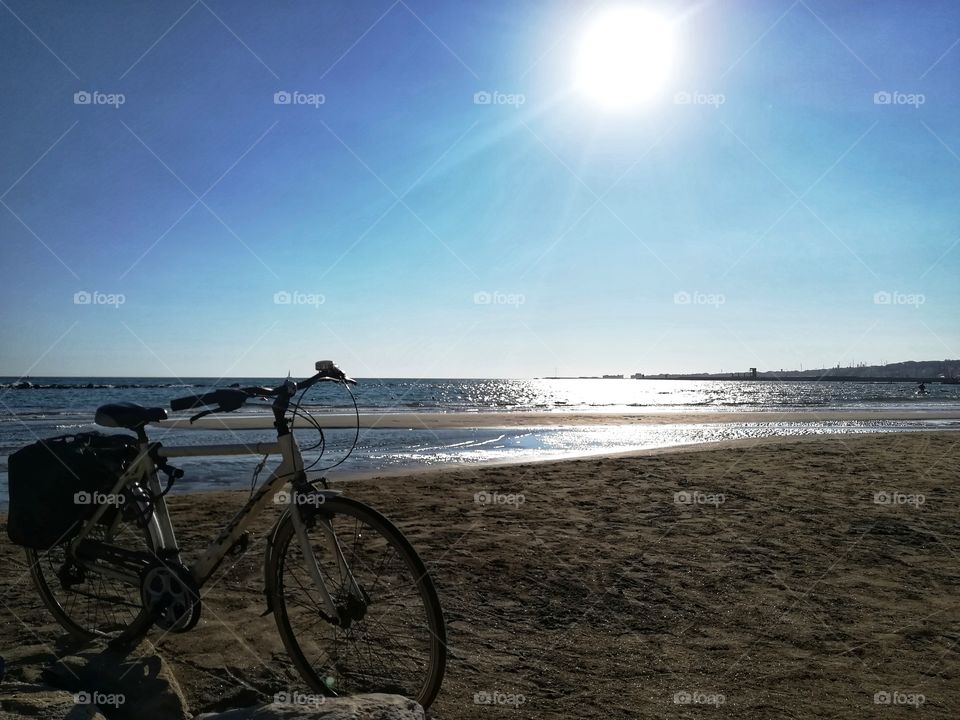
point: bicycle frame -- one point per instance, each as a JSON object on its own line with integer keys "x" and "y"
{"x": 161, "y": 528}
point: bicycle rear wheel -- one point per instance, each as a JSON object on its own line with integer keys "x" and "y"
{"x": 87, "y": 603}
{"x": 395, "y": 639}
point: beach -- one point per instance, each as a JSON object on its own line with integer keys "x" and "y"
{"x": 444, "y": 420}
{"x": 801, "y": 577}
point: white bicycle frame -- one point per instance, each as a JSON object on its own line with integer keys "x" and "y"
{"x": 161, "y": 529}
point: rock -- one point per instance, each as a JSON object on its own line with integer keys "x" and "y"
{"x": 129, "y": 685}
{"x": 20, "y": 700}
{"x": 357, "y": 707}
{"x": 25, "y": 663}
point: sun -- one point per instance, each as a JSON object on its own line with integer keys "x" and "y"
{"x": 625, "y": 57}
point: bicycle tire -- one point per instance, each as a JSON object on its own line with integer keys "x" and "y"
{"x": 43, "y": 571}
{"x": 340, "y": 511}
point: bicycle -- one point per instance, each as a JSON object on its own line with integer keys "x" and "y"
{"x": 354, "y": 604}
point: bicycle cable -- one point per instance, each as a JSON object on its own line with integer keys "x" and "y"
{"x": 308, "y": 416}
{"x": 256, "y": 474}
{"x": 322, "y": 443}
{"x": 356, "y": 435}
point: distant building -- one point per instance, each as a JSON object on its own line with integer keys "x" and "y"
{"x": 753, "y": 373}
{"x": 613, "y": 377}
{"x": 637, "y": 376}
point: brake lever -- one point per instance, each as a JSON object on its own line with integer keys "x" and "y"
{"x": 203, "y": 414}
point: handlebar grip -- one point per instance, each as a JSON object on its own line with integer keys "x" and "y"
{"x": 194, "y": 401}
{"x": 217, "y": 397}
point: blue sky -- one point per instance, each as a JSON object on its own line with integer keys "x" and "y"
{"x": 781, "y": 218}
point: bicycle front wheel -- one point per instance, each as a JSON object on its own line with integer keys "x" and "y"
{"x": 390, "y": 639}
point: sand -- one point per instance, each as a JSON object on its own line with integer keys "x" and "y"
{"x": 788, "y": 593}
{"x": 436, "y": 420}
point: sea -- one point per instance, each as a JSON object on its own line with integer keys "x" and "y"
{"x": 49, "y": 407}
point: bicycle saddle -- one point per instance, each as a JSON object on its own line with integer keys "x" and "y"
{"x": 128, "y": 415}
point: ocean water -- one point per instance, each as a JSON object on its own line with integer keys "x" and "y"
{"x": 56, "y": 406}
{"x": 79, "y": 395}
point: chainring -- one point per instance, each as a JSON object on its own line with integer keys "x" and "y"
{"x": 171, "y": 595}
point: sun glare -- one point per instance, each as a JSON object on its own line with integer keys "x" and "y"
{"x": 625, "y": 57}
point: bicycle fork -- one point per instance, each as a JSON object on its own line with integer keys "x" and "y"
{"x": 313, "y": 567}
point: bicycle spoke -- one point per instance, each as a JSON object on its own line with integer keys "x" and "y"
{"x": 387, "y": 644}
{"x": 91, "y": 602}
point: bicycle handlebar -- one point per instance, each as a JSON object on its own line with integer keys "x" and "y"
{"x": 229, "y": 399}
{"x": 225, "y": 397}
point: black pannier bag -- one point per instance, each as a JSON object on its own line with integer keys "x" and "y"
{"x": 52, "y": 484}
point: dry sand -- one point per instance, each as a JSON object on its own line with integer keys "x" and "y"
{"x": 600, "y": 596}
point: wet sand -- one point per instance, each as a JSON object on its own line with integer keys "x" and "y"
{"x": 435, "y": 420}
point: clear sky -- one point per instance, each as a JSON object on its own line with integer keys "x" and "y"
{"x": 764, "y": 208}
